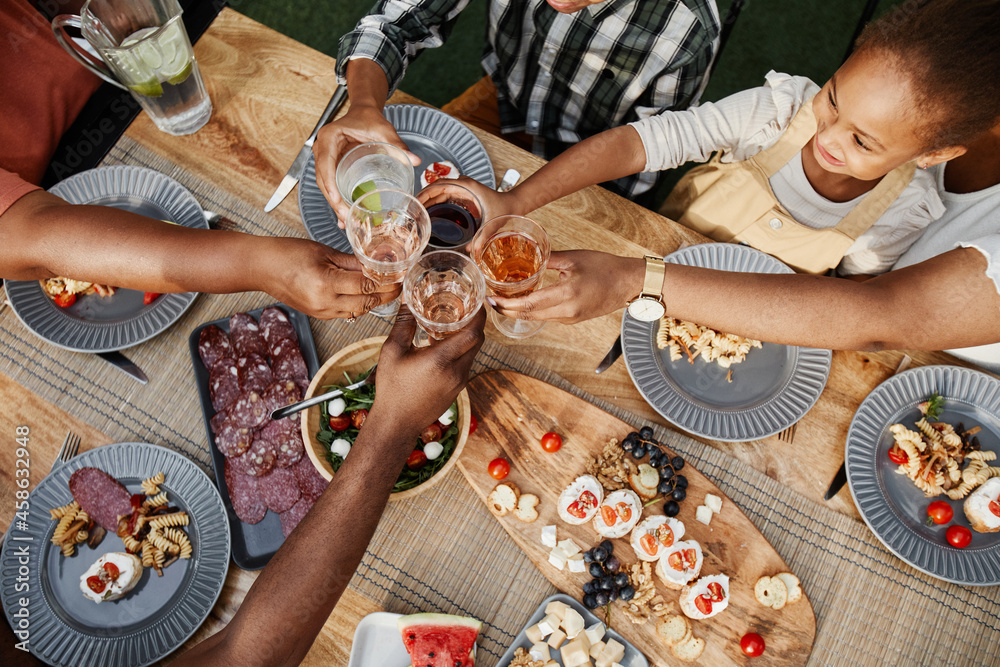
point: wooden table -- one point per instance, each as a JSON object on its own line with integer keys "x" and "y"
{"x": 267, "y": 92}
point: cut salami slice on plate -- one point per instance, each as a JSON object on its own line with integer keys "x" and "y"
{"x": 310, "y": 481}
{"x": 289, "y": 442}
{"x": 244, "y": 333}
{"x": 233, "y": 440}
{"x": 280, "y": 394}
{"x": 258, "y": 460}
{"x": 279, "y": 489}
{"x": 244, "y": 494}
{"x": 101, "y": 496}
{"x": 248, "y": 411}
{"x": 254, "y": 373}
{"x": 275, "y": 326}
{"x": 223, "y": 383}
{"x": 287, "y": 362}
{"x": 213, "y": 344}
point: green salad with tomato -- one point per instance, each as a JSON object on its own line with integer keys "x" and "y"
{"x": 341, "y": 420}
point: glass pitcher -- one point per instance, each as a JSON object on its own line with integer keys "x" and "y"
{"x": 144, "y": 49}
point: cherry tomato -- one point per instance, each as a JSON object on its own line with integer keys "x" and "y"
{"x": 136, "y": 500}
{"x": 149, "y": 297}
{"x": 499, "y": 468}
{"x": 65, "y": 300}
{"x": 624, "y": 511}
{"x": 995, "y": 507}
{"x": 939, "y": 512}
{"x": 897, "y": 455}
{"x": 112, "y": 571}
{"x": 574, "y": 509}
{"x": 340, "y": 422}
{"x": 609, "y": 515}
{"x": 703, "y": 604}
{"x": 441, "y": 169}
{"x": 431, "y": 434}
{"x": 715, "y": 592}
{"x": 648, "y": 543}
{"x": 473, "y": 423}
{"x": 665, "y": 535}
{"x": 551, "y": 442}
{"x": 691, "y": 556}
{"x": 675, "y": 561}
{"x": 416, "y": 460}
{"x": 96, "y": 584}
{"x": 752, "y": 644}
{"x": 358, "y": 417}
{"x": 958, "y": 536}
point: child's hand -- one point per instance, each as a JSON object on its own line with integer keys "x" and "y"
{"x": 320, "y": 281}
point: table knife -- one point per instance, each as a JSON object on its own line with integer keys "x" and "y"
{"x": 299, "y": 165}
{"x": 125, "y": 364}
{"x": 611, "y": 356}
{"x": 841, "y": 477}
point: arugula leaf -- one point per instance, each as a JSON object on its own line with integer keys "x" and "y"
{"x": 935, "y": 404}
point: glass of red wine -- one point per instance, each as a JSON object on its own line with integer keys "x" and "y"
{"x": 456, "y": 214}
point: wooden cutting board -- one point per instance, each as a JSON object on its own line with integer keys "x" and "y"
{"x": 514, "y": 411}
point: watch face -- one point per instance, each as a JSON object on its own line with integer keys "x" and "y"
{"x": 646, "y": 310}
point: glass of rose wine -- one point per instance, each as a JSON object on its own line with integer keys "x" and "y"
{"x": 388, "y": 230}
{"x": 444, "y": 290}
{"x": 455, "y": 211}
{"x": 512, "y": 252}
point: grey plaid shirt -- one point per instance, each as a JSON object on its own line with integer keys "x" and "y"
{"x": 560, "y": 77}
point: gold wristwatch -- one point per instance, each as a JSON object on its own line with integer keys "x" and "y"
{"x": 648, "y": 306}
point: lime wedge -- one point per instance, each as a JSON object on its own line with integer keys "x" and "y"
{"x": 362, "y": 190}
{"x": 184, "y": 74}
{"x": 147, "y": 88}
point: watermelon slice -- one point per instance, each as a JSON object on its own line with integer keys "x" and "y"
{"x": 439, "y": 640}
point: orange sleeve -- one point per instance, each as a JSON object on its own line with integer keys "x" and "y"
{"x": 12, "y": 188}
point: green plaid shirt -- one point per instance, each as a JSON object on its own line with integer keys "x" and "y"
{"x": 560, "y": 77}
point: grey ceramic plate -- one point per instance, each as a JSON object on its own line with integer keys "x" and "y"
{"x": 161, "y": 612}
{"x": 633, "y": 657}
{"x": 890, "y": 504}
{"x": 433, "y": 135}
{"x": 774, "y": 388}
{"x": 104, "y": 324}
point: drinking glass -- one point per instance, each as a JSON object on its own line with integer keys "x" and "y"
{"x": 373, "y": 166}
{"x": 512, "y": 252}
{"x": 455, "y": 212}
{"x": 444, "y": 291}
{"x": 388, "y": 231}
{"x": 144, "y": 49}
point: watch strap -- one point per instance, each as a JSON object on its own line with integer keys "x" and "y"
{"x": 652, "y": 283}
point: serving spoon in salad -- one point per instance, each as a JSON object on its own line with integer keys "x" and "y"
{"x": 281, "y": 413}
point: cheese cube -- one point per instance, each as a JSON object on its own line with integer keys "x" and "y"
{"x": 570, "y": 547}
{"x": 557, "y": 560}
{"x": 556, "y": 608}
{"x": 616, "y": 664}
{"x": 576, "y": 563}
{"x": 548, "y": 624}
{"x": 548, "y": 536}
{"x": 595, "y": 633}
{"x": 534, "y": 633}
{"x": 573, "y": 654}
{"x": 572, "y": 623}
{"x": 582, "y": 637}
{"x": 613, "y": 652}
{"x": 551, "y": 663}
{"x": 714, "y": 502}
{"x": 595, "y": 649}
{"x": 703, "y": 514}
{"x": 539, "y": 651}
{"x": 556, "y": 638}
{"x": 602, "y": 662}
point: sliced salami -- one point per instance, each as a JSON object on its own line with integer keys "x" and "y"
{"x": 287, "y": 362}
{"x": 288, "y": 442}
{"x": 101, "y": 496}
{"x": 244, "y": 494}
{"x": 280, "y": 394}
{"x": 248, "y": 411}
{"x": 213, "y": 344}
{"x": 233, "y": 440}
{"x": 292, "y": 517}
{"x": 223, "y": 383}
{"x": 218, "y": 420}
{"x": 275, "y": 326}
{"x": 254, "y": 373}
{"x": 259, "y": 459}
{"x": 311, "y": 482}
{"x": 244, "y": 333}
{"x": 279, "y": 489}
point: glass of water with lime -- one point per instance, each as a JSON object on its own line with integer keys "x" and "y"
{"x": 145, "y": 49}
{"x": 373, "y": 166}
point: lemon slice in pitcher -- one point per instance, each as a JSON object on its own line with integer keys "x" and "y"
{"x": 157, "y": 55}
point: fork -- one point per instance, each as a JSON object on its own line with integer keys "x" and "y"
{"x": 788, "y": 434}
{"x": 69, "y": 449}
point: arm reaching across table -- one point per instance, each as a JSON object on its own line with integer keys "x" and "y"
{"x": 291, "y": 600}
{"x": 41, "y": 236}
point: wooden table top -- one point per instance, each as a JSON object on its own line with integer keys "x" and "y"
{"x": 267, "y": 91}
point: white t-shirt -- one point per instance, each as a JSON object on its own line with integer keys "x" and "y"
{"x": 971, "y": 220}
{"x": 748, "y": 122}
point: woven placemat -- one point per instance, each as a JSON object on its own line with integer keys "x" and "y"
{"x": 443, "y": 551}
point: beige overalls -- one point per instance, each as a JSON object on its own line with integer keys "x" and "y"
{"x": 733, "y": 202}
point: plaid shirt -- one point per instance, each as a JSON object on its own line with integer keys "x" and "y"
{"x": 560, "y": 77}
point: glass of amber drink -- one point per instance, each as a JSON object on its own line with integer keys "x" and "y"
{"x": 388, "y": 230}
{"x": 512, "y": 252}
{"x": 444, "y": 290}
